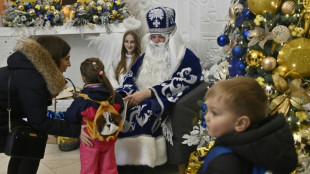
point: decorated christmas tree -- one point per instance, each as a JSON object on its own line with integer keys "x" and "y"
{"x": 267, "y": 40}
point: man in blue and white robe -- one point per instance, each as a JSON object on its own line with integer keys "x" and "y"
{"x": 158, "y": 79}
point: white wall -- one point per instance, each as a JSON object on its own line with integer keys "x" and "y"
{"x": 198, "y": 21}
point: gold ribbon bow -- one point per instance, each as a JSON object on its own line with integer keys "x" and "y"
{"x": 292, "y": 93}
{"x": 260, "y": 36}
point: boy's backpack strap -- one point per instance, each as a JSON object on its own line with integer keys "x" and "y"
{"x": 221, "y": 150}
{"x": 213, "y": 153}
{"x": 259, "y": 170}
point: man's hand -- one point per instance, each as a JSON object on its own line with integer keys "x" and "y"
{"x": 85, "y": 138}
{"x": 138, "y": 97}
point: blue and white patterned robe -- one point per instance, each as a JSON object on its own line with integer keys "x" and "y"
{"x": 141, "y": 141}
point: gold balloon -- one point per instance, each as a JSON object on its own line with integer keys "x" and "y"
{"x": 259, "y": 7}
{"x": 295, "y": 56}
{"x": 254, "y": 58}
{"x": 269, "y": 63}
{"x": 66, "y": 11}
{"x": 288, "y": 7}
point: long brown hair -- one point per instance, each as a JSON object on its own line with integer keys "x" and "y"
{"x": 93, "y": 71}
{"x": 56, "y": 46}
{"x": 121, "y": 67}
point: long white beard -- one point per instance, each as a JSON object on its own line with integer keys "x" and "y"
{"x": 154, "y": 69}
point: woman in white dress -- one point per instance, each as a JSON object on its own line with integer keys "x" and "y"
{"x": 131, "y": 51}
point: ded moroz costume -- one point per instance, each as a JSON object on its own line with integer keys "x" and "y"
{"x": 169, "y": 74}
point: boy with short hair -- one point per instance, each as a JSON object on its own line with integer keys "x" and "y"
{"x": 236, "y": 117}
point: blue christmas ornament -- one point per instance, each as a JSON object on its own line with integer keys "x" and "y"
{"x": 57, "y": 6}
{"x": 77, "y": 15}
{"x": 223, "y": 40}
{"x": 114, "y": 8}
{"x": 245, "y": 33}
{"x": 38, "y": 13}
{"x": 238, "y": 51}
{"x": 37, "y": 2}
{"x": 49, "y": 17}
{"x": 94, "y": 9}
{"x": 236, "y": 67}
{"x": 204, "y": 107}
{"x": 202, "y": 116}
{"x": 29, "y": 6}
{"x": 103, "y": 10}
{"x": 241, "y": 66}
{"x": 203, "y": 124}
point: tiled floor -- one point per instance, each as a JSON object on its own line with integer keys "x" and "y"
{"x": 59, "y": 162}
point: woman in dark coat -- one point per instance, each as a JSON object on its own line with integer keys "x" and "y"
{"x": 37, "y": 67}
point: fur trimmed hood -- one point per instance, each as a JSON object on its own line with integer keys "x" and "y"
{"x": 44, "y": 63}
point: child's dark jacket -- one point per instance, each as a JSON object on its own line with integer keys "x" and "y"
{"x": 270, "y": 146}
{"x": 80, "y": 105}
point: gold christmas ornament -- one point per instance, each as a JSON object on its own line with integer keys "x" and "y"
{"x": 269, "y": 63}
{"x": 271, "y": 92}
{"x": 114, "y": 13}
{"x": 75, "y": 5}
{"x": 95, "y": 18}
{"x": 295, "y": 57}
{"x": 280, "y": 70}
{"x": 47, "y": 7}
{"x": 92, "y": 4}
{"x": 260, "y": 7}
{"x": 31, "y": 12}
{"x": 56, "y": 12}
{"x": 109, "y": 4}
{"x": 21, "y": 7}
{"x": 288, "y": 7}
{"x": 282, "y": 33}
{"x": 80, "y": 8}
{"x": 254, "y": 58}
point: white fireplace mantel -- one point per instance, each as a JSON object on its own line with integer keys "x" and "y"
{"x": 60, "y": 30}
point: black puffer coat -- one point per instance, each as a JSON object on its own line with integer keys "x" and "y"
{"x": 270, "y": 146}
{"x": 35, "y": 79}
